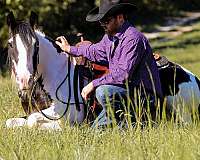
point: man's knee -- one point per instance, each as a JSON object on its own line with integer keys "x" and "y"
{"x": 101, "y": 93}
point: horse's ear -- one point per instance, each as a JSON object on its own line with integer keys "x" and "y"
{"x": 11, "y": 22}
{"x": 33, "y": 19}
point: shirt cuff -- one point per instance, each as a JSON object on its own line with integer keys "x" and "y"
{"x": 96, "y": 83}
{"x": 73, "y": 50}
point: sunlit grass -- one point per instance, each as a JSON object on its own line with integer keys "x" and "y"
{"x": 167, "y": 140}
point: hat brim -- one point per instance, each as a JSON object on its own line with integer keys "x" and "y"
{"x": 94, "y": 14}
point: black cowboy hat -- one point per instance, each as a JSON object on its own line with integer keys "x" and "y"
{"x": 109, "y": 8}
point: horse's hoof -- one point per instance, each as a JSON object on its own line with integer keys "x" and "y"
{"x": 33, "y": 119}
{"x": 16, "y": 122}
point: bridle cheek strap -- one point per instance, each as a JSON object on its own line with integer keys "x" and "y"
{"x": 35, "y": 57}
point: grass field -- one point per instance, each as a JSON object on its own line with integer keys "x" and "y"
{"x": 165, "y": 141}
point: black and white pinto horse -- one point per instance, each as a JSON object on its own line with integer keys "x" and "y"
{"x": 34, "y": 57}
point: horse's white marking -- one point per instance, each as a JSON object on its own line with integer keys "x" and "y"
{"x": 15, "y": 122}
{"x": 22, "y": 71}
{"x": 34, "y": 121}
{"x": 42, "y": 34}
{"x": 38, "y": 120}
{"x": 54, "y": 68}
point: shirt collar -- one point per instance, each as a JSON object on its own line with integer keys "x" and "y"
{"x": 123, "y": 28}
{"x": 121, "y": 31}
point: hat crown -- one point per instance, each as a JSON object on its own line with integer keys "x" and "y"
{"x": 109, "y": 8}
{"x": 107, "y": 4}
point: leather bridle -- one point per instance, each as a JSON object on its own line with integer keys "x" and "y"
{"x": 34, "y": 80}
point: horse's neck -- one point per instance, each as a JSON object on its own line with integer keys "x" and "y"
{"x": 49, "y": 59}
{"x": 52, "y": 66}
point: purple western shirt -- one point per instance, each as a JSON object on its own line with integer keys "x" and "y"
{"x": 130, "y": 60}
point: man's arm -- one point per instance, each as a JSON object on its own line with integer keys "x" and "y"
{"x": 94, "y": 52}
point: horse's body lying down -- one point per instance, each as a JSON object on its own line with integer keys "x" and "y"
{"x": 37, "y": 61}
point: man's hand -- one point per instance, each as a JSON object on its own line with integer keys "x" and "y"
{"x": 63, "y": 43}
{"x": 87, "y": 90}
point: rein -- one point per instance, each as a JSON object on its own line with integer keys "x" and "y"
{"x": 35, "y": 81}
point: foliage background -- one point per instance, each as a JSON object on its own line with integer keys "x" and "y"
{"x": 67, "y": 17}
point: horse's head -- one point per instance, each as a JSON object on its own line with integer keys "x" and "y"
{"x": 23, "y": 46}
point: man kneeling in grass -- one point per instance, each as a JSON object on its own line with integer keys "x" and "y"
{"x": 128, "y": 55}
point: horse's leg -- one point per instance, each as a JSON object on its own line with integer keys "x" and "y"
{"x": 16, "y": 122}
{"x": 180, "y": 108}
{"x": 39, "y": 120}
{"x": 76, "y": 116}
{"x": 56, "y": 111}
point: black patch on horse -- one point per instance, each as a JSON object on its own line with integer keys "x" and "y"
{"x": 171, "y": 76}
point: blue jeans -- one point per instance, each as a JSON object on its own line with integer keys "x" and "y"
{"x": 111, "y": 95}
{"x": 115, "y": 96}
